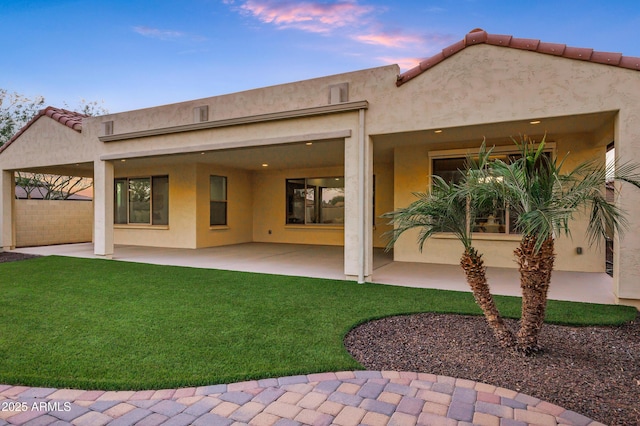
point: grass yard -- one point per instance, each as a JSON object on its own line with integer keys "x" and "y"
{"x": 99, "y": 324}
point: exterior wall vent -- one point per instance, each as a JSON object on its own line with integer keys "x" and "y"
{"x": 107, "y": 128}
{"x": 201, "y": 114}
{"x": 338, "y": 93}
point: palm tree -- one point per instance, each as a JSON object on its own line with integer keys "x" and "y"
{"x": 446, "y": 208}
{"x": 545, "y": 201}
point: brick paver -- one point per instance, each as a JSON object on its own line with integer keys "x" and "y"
{"x": 346, "y": 398}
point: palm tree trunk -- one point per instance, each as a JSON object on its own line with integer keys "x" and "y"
{"x": 535, "y": 275}
{"x": 475, "y": 271}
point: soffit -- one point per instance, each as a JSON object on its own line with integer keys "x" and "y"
{"x": 550, "y": 126}
{"x": 329, "y": 153}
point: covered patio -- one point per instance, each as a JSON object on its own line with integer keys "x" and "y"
{"x": 328, "y": 262}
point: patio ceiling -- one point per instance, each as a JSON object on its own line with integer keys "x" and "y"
{"x": 493, "y": 132}
{"x": 75, "y": 169}
{"x": 329, "y": 153}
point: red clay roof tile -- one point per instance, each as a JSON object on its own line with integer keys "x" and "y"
{"x": 552, "y": 48}
{"x": 453, "y": 49}
{"x": 71, "y": 119}
{"x": 524, "y": 43}
{"x": 432, "y": 61}
{"x": 499, "y": 40}
{"x": 606, "y": 58}
{"x": 476, "y": 36}
{"x": 578, "y": 53}
{"x": 479, "y": 36}
{"x": 630, "y": 62}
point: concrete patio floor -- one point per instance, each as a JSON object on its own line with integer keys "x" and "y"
{"x": 328, "y": 262}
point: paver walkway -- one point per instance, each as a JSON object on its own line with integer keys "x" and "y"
{"x": 347, "y": 398}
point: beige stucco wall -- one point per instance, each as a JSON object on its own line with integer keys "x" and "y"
{"x": 363, "y": 85}
{"x": 270, "y": 210}
{"x": 490, "y": 84}
{"x": 47, "y": 143}
{"x": 384, "y": 187}
{"x": 270, "y": 207}
{"x": 181, "y": 231}
{"x": 240, "y": 212}
{"x": 46, "y": 222}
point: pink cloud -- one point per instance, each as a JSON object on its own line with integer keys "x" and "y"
{"x": 308, "y": 16}
{"x": 389, "y": 39}
{"x": 403, "y": 63}
{"x": 353, "y": 20}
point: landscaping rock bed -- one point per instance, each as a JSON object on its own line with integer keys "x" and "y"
{"x": 594, "y": 371}
{"x": 6, "y": 256}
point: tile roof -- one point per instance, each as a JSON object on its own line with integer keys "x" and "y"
{"x": 480, "y": 36}
{"x": 71, "y": 119}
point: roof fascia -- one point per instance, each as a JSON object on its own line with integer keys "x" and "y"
{"x": 252, "y": 119}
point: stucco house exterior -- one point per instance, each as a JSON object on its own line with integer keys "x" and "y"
{"x": 318, "y": 161}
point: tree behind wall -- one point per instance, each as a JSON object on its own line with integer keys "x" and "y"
{"x": 15, "y": 111}
{"x": 51, "y": 187}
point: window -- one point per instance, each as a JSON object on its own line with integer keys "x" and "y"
{"x": 142, "y": 200}
{"x": 497, "y": 219}
{"x": 315, "y": 201}
{"x": 218, "y": 200}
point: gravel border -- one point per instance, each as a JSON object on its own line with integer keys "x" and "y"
{"x": 10, "y": 256}
{"x": 594, "y": 371}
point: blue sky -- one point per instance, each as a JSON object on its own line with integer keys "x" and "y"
{"x": 129, "y": 54}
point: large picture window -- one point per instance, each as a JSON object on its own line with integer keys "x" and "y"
{"x": 142, "y": 200}
{"x": 217, "y": 200}
{"x": 496, "y": 219}
{"x": 315, "y": 201}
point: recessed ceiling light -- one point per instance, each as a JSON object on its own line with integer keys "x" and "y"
{"x": 437, "y": 131}
{"x": 123, "y": 160}
{"x": 265, "y": 165}
{"x": 309, "y": 143}
{"x": 535, "y": 122}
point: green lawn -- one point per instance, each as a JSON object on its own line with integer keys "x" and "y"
{"x": 82, "y": 323}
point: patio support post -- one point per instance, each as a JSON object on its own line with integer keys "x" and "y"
{"x": 7, "y": 196}
{"x": 358, "y": 250}
{"x": 626, "y": 275}
{"x": 103, "y": 175}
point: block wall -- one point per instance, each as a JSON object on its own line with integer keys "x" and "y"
{"x": 47, "y": 222}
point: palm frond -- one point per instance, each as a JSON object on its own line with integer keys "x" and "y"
{"x": 442, "y": 209}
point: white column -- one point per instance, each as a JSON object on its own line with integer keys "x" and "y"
{"x": 7, "y": 196}
{"x": 627, "y": 247}
{"x": 103, "y": 176}
{"x": 358, "y": 231}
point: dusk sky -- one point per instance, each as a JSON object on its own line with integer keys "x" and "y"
{"x": 130, "y": 54}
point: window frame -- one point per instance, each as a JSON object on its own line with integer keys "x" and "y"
{"x": 504, "y": 150}
{"x": 317, "y": 203}
{"x": 224, "y": 201}
{"x": 122, "y": 206}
